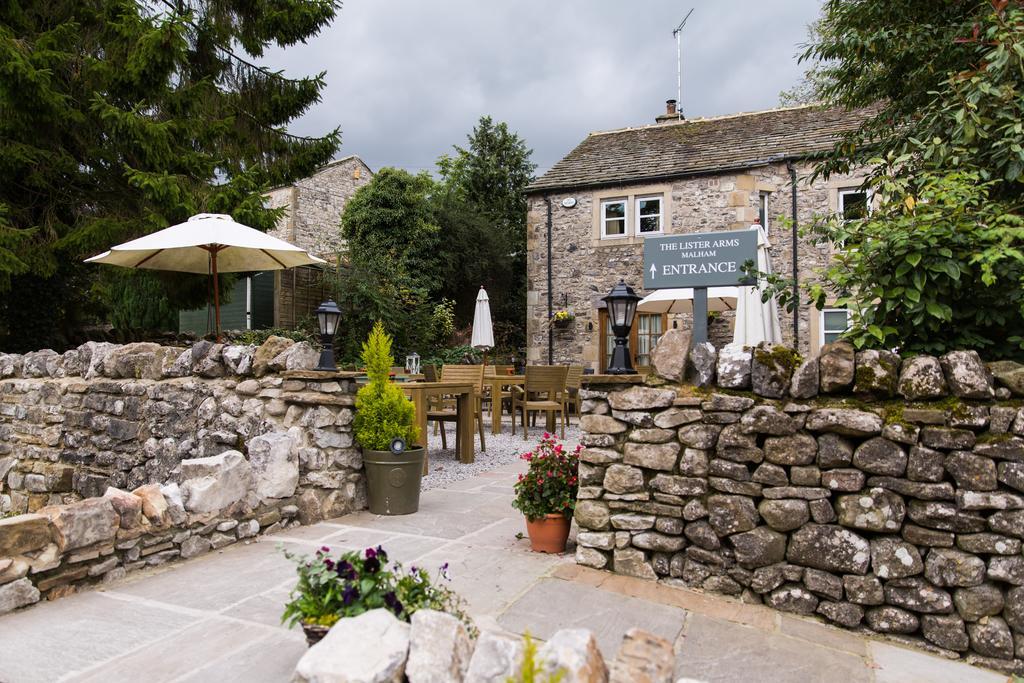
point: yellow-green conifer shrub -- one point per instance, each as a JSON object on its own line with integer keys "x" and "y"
{"x": 382, "y": 410}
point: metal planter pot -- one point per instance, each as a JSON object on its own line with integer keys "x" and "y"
{"x": 393, "y": 481}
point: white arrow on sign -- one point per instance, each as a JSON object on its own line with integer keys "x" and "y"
{"x": 653, "y": 271}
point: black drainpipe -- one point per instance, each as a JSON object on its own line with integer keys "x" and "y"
{"x": 551, "y": 330}
{"x": 796, "y": 272}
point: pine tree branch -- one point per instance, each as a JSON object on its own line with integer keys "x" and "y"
{"x": 227, "y": 51}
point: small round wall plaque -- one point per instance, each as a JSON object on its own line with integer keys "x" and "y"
{"x": 569, "y": 202}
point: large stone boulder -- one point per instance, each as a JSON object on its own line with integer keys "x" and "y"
{"x": 836, "y": 364}
{"x": 11, "y": 364}
{"x": 274, "y": 458}
{"x": 966, "y": 375}
{"x": 877, "y": 373}
{"x": 954, "y": 568}
{"x": 894, "y": 558}
{"x": 154, "y": 505}
{"x": 641, "y": 398}
{"x": 24, "y": 533}
{"x": 298, "y": 356}
{"x": 267, "y": 352}
{"x": 829, "y": 548}
{"x": 759, "y": 547}
{"x": 669, "y": 357}
{"x": 40, "y": 363}
{"x": 642, "y": 658}
{"x": 731, "y": 514}
{"x": 370, "y": 648}
{"x": 141, "y": 360}
{"x": 238, "y": 358}
{"x": 806, "y": 379}
{"x": 92, "y": 356}
{"x": 844, "y": 421}
{"x": 921, "y": 378}
{"x": 771, "y": 370}
{"x": 574, "y": 651}
{"x": 874, "y": 510}
{"x": 1009, "y": 374}
{"x": 439, "y": 648}
{"x": 986, "y": 600}
{"x": 734, "y": 362}
{"x": 215, "y": 482}
{"x": 703, "y": 363}
{"x": 17, "y": 594}
{"x": 496, "y": 659}
{"x": 84, "y": 523}
{"x": 127, "y": 505}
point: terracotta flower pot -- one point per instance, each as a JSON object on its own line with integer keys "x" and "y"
{"x": 549, "y": 534}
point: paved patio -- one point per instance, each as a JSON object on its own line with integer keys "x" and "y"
{"x": 216, "y": 618}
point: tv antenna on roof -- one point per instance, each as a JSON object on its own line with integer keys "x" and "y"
{"x": 677, "y": 33}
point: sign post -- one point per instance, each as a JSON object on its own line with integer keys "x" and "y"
{"x": 700, "y": 260}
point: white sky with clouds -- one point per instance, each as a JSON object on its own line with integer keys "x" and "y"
{"x": 407, "y": 79}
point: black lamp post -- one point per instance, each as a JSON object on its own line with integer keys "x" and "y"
{"x": 621, "y": 303}
{"x": 328, "y": 316}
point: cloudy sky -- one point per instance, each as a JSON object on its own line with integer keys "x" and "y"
{"x": 407, "y": 79}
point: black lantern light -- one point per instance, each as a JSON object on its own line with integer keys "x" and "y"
{"x": 621, "y": 303}
{"x": 328, "y": 316}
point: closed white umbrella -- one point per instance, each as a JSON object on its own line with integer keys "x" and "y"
{"x": 207, "y": 243}
{"x": 681, "y": 300}
{"x": 757, "y": 321}
{"x": 483, "y": 330}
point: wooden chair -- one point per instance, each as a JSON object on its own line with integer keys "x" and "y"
{"x": 469, "y": 374}
{"x": 571, "y": 394}
{"x": 498, "y": 371}
{"x": 541, "y": 392}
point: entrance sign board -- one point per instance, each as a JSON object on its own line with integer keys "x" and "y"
{"x": 710, "y": 259}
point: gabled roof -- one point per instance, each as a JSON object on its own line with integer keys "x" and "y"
{"x": 697, "y": 146}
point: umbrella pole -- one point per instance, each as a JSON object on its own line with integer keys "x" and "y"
{"x": 216, "y": 294}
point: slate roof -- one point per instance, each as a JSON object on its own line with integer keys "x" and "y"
{"x": 698, "y": 146}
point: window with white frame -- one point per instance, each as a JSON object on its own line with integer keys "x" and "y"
{"x": 649, "y": 215}
{"x": 834, "y": 321}
{"x": 613, "y": 218}
{"x": 762, "y": 209}
{"x": 854, "y": 204}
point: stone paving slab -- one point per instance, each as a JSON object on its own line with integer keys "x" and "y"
{"x": 217, "y": 617}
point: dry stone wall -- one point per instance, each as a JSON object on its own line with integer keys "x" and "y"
{"x": 114, "y": 457}
{"x": 880, "y": 494}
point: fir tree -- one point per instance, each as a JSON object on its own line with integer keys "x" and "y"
{"x": 118, "y": 118}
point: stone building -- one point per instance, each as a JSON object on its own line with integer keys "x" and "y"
{"x": 311, "y": 220}
{"x": 677, "y": 176}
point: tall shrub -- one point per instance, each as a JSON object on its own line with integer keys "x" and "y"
{"x": 383, "y": 412}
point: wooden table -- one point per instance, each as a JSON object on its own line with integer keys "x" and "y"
{"x": 421, "y": 392}
{"x": 496, "y": 382}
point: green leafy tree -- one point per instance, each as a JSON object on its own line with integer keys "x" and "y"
{"x": 393, "y": 267}
{"x": 484, "y": 204}
{"x": 123, "y": 117}
{"x": 940, "y": 263}
{"x": 383, "y": 412}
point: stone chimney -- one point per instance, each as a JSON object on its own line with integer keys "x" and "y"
{"x": 670, "y": 113}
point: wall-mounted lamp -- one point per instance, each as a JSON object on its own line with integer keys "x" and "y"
{"x": 675, "y": 324}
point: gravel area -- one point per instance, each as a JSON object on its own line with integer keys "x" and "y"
{"x": 502, "y": 449}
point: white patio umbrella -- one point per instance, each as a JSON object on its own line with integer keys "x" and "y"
{"x": 757, "y": 321}
{"x": 483, "y": 330}
{"x": 681, "y": 300}
{"x": 207, "y": 243}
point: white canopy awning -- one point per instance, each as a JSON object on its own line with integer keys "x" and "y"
{"x": 681, "y": 300}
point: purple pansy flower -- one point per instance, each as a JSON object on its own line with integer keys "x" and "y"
{"x": 349, "y": 595}
{"x": 346, "y": 570}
